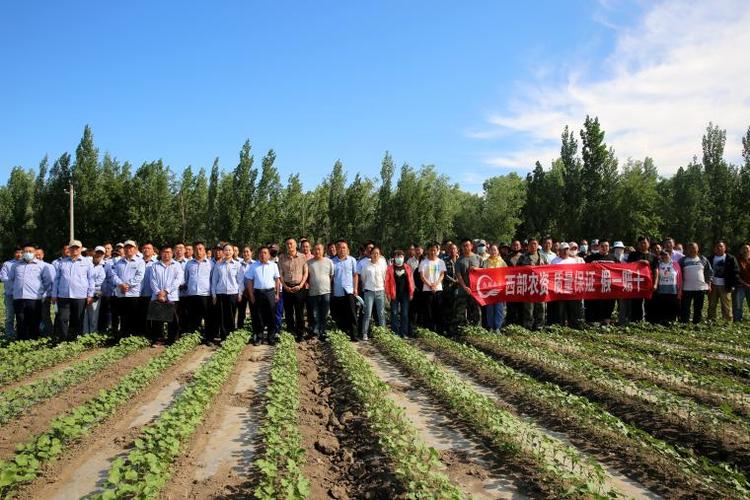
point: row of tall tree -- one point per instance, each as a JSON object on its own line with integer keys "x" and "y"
{"x": 584, "y": 194}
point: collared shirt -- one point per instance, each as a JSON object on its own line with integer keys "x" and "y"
{"x": 108, "y": 288}
{"x": 227, "y": 278}
{"x": 30, "y": 279}
{"x": 53, "y": 274}
{"x": 182, "y": 263}
{"x": 372, "y": 275}
{"x": 262, "y": 275}
{"x": 166, "y": 278}
{"x": 5, "y": 275}
{"x": 244, "y": 267}
{"x": 292, "y": 269}
{"x": 198, "y": 277}
{"x": 73, "y": 279}
{"x": 146, "y": 285}
{"x": 343, "y": 275}
{"x": 99, "y": 274}
{"x": 130, "y": 272}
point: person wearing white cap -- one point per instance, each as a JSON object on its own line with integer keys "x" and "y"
{"x": 618, "y": 250}
{"x": 91, "y": 318}
{"x": 73, "y": 290}
{"x": 127, "y": 277}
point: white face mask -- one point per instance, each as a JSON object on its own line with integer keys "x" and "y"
{"x": 399, "y": 261}
{"x": 584, "y": 248}
{"x": 481, "y": 249}
{"x": 619, "y": 252}
{"x": 28, "y": 256}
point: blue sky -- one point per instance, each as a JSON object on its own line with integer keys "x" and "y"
{"x": 476, "y": 88}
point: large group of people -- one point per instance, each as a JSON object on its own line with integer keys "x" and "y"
{"x": 126, "y": 289}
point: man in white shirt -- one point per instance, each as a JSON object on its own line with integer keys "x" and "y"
{"x": 263, "y": 285}
{"x": 432, "y": 270}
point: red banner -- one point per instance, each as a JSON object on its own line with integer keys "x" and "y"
{"x": 605, "y": 280}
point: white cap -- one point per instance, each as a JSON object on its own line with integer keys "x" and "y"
{"x": 99, "y": 249}
{"x": 130, "y": 243}
{"x": 564, "y": 246}
{"x": 618, "y": 244}
{"x": 75, "y": 243}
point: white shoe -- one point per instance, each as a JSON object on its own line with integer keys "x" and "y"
{"x": 364, "y": 337}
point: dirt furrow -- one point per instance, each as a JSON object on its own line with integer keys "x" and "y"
{"x": 219, "y": 457}
{"x": 45, "y": 372}
{"x": 37, "y": 418}
{"x": 82, "y": 470}
{"x": 615, "y": 479}
{"x": 468, "y": 461}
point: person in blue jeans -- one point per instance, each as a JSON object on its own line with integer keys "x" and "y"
{"x": 372, "y": 277}
{"x": 399, "y": 288}
{"x": 741, "y": 292}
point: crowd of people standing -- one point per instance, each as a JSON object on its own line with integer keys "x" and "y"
{"x": 128, "y": 290}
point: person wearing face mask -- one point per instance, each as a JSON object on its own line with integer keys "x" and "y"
{"x": 30, "y": 279}
{"x": 8, "y": 291}
{"x": 399, "y": 287}
{"x": 482, "y": 250}
{"x": 583, "y": 250}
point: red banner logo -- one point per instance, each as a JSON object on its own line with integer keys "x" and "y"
{"x": 598, "y": 280}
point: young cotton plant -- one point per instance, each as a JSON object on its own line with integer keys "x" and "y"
{"x": 143, "y": 473}
{"x": 558, "y": 466}
{"x": 69, "y": 427}
{"x": 414, "y": 463}
{"x": 280, "y": 465}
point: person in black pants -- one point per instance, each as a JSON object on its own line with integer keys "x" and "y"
{"x": 263, "y": 284}
{"x": 197, "y": 295}
{"x": 641, "y": 254}
{"x": 72, "y": 290}
{"x": 293, "y": 268}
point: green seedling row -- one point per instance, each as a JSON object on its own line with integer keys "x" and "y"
{"x": 71, "y": 426}
{"x": 416, "y": 465}
{"x": 16, "y": 365}
{"x": 280, "y": 465}
{"x": 584, "y": 417}
{"x": 146, "y": 469}
{"x": 15, "y": 401}
{"x": 557, "y": 466}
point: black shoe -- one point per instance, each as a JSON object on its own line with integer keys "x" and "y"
{"x": 255, "y": 341}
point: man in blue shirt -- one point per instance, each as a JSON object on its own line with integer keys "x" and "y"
{"x": 99, "y": 275}
{"x": 127, "y": 278}
{"x": 197, "y": 295}
{"x": 245, "y": 263}
{"x": 263, "y": 286}
{"x": 47, "y": 327}
{"x": 8, "y": 291}
{"x": 166, "y": 278}
{"x": 30, "y": 279}
{"x": 345, "y": 283}
{"x": 73, "y": 291}
{"x": 149, "y": 259}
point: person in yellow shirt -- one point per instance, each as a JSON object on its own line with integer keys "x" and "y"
{"x": 494, "y": 313}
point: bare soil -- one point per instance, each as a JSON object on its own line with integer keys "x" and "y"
{"x": 38, "y": 418}
{"x": 218, "y": 459}
{"x": 82, "y": 469}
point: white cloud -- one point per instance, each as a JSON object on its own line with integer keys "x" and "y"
{"x": 681, "y": 65}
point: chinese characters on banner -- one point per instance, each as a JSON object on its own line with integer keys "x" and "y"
{"x": 604, "y": 280}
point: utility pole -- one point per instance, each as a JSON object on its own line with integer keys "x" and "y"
{"x": 71, "y": 192}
